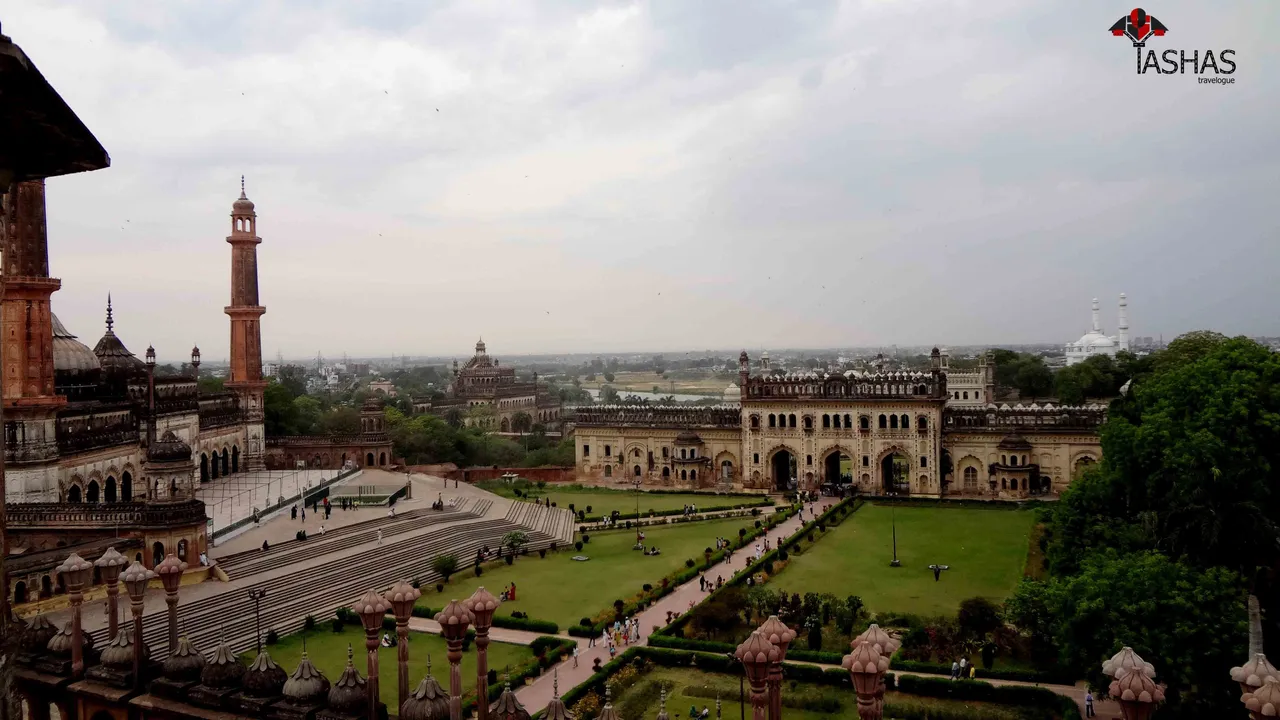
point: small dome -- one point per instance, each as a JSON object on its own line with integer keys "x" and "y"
{"x": 39, "y": 632}
{"x": 184, "y": 664}
{"x": 60, "y": 644}
{"x": 69, "y": 354}
{"x": 223, "y": 670}
{"x": 264, "y": 677}
{"x": 732, "y": 393}
{"x": 169, "y": 448}
{"x": 349, "y": 696}
{"x": 428, "y": 702}
{"x": 118, "y": 653}
{"x": 688, "y": 437}
{"x": 242, "y": 205}
{"x": 306, "y": 685}
{"x": 1014, "y": 441}
{"x": 507, "y": 707}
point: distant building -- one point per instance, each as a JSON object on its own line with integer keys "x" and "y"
{"x": 386, "y": 387}
{"x": 485, "y": 394}
{"x": 1095, "y": 342}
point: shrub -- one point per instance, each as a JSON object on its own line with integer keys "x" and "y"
{"x": 757, "y": 524}
{"x": 492, "y": 676}
{"x": 978, "y": 616}
{"x": 577, "y": 545}
{"x": 417, "y": 583}
{"x": 337, "y": 624}
{"x": 768, "y": 567}
{"x": 439, "y": 587}
{"x": 468, "y": 639}
{"x": 509, "y": 559}
{"x": 588, "y": 508}
{"x": 525, "y": 622}
{"x": 814, "y": 639}
{"x": 689, "y": 563}
{"x": 479, "y": 571}
{"x": 273, "y": 637}
{"x": 646, "y": 587}
{"x": 754, "y": 512}
{"x": 810, "y": 537}
{"x": 542, "y": 553}
{"x": 582, "y": 515}
{"x": 627, "y": 525}
{"x": 554, "y": 503}
{"x": 446, "y": 565}
{"x": 586, "y": 538}
{"x": 309, "y": 623}
{"x": 782, "y": 554}
{"x": 822, "y": 527}
{"x": 742, "y": 532}
{"x": 554, "y": 546}
{"x": 571, "y": 507}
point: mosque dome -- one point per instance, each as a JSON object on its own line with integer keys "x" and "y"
{"x": 223, "y": 670}
{"x": 183, "y": 664}
{"x": 348, "y": 696}
{"x": 688, "y": 437}
{"x": 306, "y": 685}
{"x": 732, "y": 393}
{"x": 118, "y": 653}
{"x": 113, "y": 357}
{"x": 264, "y": 677}
{"x": 69, "y": 354}
{"x": 242, "y": 205}
{"x": 428, "y": 702}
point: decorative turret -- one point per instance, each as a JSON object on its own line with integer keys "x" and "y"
{"x": 264, "y": 678}
{"x": 507, "y": 707}
{"x": 307, "y": 685}
{"x": 556, "y": 709}
{"x": 430, "y": 701}
{"x": 185, "y": 664}
{"x": 349, "y": 696}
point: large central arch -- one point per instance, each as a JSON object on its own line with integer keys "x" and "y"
{"x": 837, "y": 466}
{"x": 782, "y": 466}
{"x": 895, "y": 472}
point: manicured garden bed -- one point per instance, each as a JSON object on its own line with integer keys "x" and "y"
{"x": 604, "y": 501}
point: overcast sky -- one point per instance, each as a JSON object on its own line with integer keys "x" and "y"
{"x": 577, "y": 176}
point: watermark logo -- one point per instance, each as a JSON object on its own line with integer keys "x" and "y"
{"x": 1139, "y": 27}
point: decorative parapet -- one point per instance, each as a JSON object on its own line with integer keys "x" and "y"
{"x": 1026, "y": 418}
{"x": 851, "y": 384}
{"x": 124, "y": 516}
{"x": 667, "y": 416}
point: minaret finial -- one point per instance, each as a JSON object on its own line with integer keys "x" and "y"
{"x": 110, "y": 321}
{"x": 428, "y": 663}
{"x": 242, "y": 186}
{"x": 555, "y": 682}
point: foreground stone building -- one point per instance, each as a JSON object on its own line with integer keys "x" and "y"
{"x": 486, "y": 394}
{"x": 886, "y": 432}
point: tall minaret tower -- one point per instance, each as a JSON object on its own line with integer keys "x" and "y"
{"x": 1097, "y": 317}
{"x": 1123, "y": 329}
{"x": 30, "y": 402}
{"x": 246, "y": 335}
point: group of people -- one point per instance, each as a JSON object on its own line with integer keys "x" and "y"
{"x": 706, "y": 585}
{"x": 623, "y": 632}
{"x": 690, "y": 510}
{"x": 962, "y": 668}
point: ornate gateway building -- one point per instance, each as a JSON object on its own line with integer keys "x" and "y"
{"x": 486, "y": 394}
{"x": 886, "y": 432}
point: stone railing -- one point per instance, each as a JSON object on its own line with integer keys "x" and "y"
{"x": 36, "y": 516}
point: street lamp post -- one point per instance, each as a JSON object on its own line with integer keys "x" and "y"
{"x": 256, "y": 595}
{"x": 636, "y": 483}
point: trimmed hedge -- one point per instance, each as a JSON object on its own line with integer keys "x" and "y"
{"x": 979, "y": 691}
{"x": 554, "y": 648}
{"x": 709, "y": 646}
{"x": 499, "y": 621}
{"x": 764, "y": 501}
{"x": 1050, "y": 677}
{"x": 910, "y": 501}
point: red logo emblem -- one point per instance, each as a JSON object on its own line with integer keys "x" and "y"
{"x": 1138, "y": 26}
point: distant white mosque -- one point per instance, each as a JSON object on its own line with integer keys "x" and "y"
{"x": 1095, "y": 342}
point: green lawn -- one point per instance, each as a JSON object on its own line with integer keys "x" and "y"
{"x": 804, "y": 701}
{"x": 328, "y": 652}
{"x": 563, "y": 590}
{"x": 603, "y": 501}
{"x": 986, "y": 551}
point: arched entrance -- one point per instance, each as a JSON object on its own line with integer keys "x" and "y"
{"x": 894, "y": 470}
{"x": 126, "y": 487}
{"x": 91, "y": 495}
{"x": 157, "y": 553}
{"x": 837, "y": 468}
{"x": 726, "y": 471}
{"x": 382, "y": 458}
{"x": 204, "y": 467}
{"x": 109, "y": 495}
{"x": 235, "y": 458}
{"x": 19, "y": 592}
{"x": 783, "y": 465}
{"x": 73, "y": 494}
{"x": 213, "y": 466}
{"x": 368, "y": 459}
{"x": 226, "y": 462}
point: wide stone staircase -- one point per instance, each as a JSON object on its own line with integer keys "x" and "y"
{"x": 323, "y": 573}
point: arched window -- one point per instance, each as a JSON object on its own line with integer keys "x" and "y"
{"x": 608, "y": 450}
{"x": 755, "y": 422}
{"x": 91, "y": 496}
{"x": 157, "y": 553}
{"x": 808, "y": 459}
{"x": 19, "y": 592}
{"x": 608, "y": 471}
{"x": 635, "y": 452}
{"x": 684, "y": 453}
{"x": 226, "y": 462}
{"x": 924, "y": 461}
{"x": 755, "y": 458}
{"x": 884, "y": 422}
{"x": 665, "y": 453}
{"x": 1013, "y": 460}
{"x": 46, "y": 586}
{"x": 773, "y": 420}
{"x": 864, "y": 421}
{"x": 971, "y": 478}
{"x": 368, "y": 459}
{"x": 204, "y": 467}
{"x": 726, "y": 470}
{"x": 1004, "y": 483}
{"x": 684, "y": 475}
{"x": 636, "y": 471}
{"x": 109, "y": 494}
{"x": 906, "y": 423}
{"x": 922, "y": 422}
{"x": 73, "y": 494}
{"x": 826, "y": 421}
{"x": 808, "y": 422}
{"x": 213, "y": 466}
{"x": 893, "y": 422}
{"x": 666, "y": 473}
{"x": 382, "y": 458}
{"x": 791, "y": 420}
{"x": 966, "y": 394}
{"x": 182, "y": 550}
{"x": 693, "y": 474}
{"x": 126, "y": 487}
{"x": 235, "y": 458}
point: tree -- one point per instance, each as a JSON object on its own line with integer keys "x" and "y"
{"x": 446, "y": 565}
{"x": 608, "y": 394}
{"x": 521, "y": 422}
{"x": 1189, "y": 623}
{"x": 515, "y": 540}
{"x": 1034, "y": 379}
{"x": 978, "y": 617}
{"x": 279, "y": 414}
{"x": 814, "y": 638}
{"x": 608, "y": 377}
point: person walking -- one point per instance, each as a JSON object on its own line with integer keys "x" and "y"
{"x": 973, "y": 671}
{"x": 964, "y": 666}
{"x": 955, "y": 670}
{"x": 1088, "y": 703}
{"x": 604, "y": 636}
{"x": 379, "y": 536}
{"x": 575, "y": 655}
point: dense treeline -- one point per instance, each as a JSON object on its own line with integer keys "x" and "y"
{"x": 1157, "y": 546}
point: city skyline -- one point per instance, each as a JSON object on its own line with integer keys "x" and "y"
{"x": 631, "y": 177}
